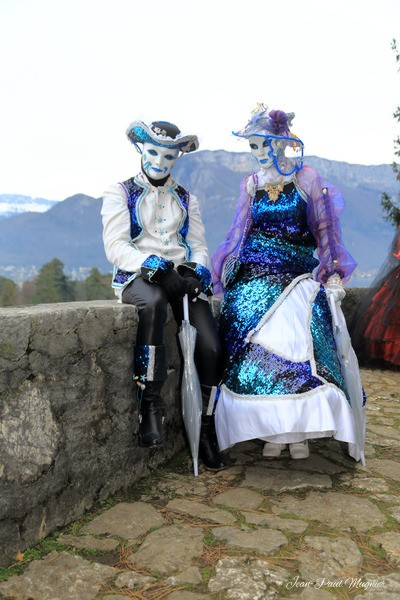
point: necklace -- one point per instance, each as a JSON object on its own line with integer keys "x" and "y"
{"x": 273, "y": 190}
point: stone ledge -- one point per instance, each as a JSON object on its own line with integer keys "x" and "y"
{"x": 68, "y": 419}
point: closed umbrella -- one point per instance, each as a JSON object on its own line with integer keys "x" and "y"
{"x": 351, "y": 375}
{"x": 191, "y": 391}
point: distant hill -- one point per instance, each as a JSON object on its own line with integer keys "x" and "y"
{"x": 71, "y": 230}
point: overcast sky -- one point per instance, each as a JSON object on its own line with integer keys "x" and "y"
{"x": 75, "y": 73}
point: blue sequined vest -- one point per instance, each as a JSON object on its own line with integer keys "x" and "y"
{"x": 136, "y": 192}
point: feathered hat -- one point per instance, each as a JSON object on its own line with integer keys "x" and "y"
{"x": 161, "y": 133}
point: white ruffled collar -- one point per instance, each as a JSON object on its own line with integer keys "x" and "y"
{"x": 273, "y": 177}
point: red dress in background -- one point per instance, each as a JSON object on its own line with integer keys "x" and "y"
{"x": 378, "y": 329}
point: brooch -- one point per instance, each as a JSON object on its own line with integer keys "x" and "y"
{"x": 273, "y": 191}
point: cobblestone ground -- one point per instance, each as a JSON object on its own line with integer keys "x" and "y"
{"x": 320, "y": 528}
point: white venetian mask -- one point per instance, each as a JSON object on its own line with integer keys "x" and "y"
{"x": 157, "y": 161}
{"x": 261, "y": 151}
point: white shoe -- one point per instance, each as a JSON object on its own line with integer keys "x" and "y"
{"x": 299, "y": 450}
{"x": 271, "y": 450}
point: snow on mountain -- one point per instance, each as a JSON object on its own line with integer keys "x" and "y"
{"x": 13, "y": 204}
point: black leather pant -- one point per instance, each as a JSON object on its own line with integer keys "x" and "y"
{"x": 152, "y": 303}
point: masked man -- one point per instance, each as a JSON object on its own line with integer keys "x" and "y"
{"x": 154, "y": 237}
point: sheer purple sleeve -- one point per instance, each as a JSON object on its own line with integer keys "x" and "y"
{"x": 324, "y": 206}
{"x": 229, "y": 248}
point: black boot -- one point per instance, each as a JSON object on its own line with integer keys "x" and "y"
{"x": 151, "y": 415}
{"x": 208, "y": 446}
{"x": 150, "y": 374}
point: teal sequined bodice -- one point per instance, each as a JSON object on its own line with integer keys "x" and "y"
{"x": 280, "y": 240}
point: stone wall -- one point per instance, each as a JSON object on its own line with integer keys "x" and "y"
{"x": 68, "y": 421}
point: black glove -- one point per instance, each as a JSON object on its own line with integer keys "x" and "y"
{"x": 172, "y": 282}
{"x": 193, "y": 286}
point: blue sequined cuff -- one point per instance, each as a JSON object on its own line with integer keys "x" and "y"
{"x": 154, "y": 264}
{"x": 202, "y": 273}
{"x": 149, "y": 364}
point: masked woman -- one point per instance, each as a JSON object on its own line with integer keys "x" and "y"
{"x": 375, "y": 328}
{"x": 283, "y": 382}
{"x": 154, "y": 237}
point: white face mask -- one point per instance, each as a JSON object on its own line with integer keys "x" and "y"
{"x": 157, "y": 161}
{"x": 261, "y": 151}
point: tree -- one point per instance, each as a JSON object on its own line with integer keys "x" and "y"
{"x": 52, "y": 285}
{"x": 391, "y": 208}
{"x": 98, "y": 286}
{"x": 8, "y": 292}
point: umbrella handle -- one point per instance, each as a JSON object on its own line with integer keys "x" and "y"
{"x": 186, "y": 308}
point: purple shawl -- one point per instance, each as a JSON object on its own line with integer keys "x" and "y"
{"x": 324, "y": 206}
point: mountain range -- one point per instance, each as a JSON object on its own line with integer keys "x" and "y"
{"x": 71, "y": 229}
{"x": 12, "y": 204}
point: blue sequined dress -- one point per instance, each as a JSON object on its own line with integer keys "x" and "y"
{"x": 283, "y": 381}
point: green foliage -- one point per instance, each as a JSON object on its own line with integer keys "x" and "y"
{"x": 8, "y": 292}
{"x": 391, "y": 207}
{"x": 98, "y": 286}
{"x": 52, "y": 285}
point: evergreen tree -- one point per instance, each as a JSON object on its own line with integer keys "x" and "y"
{"x": 98, "y": 287}
{"x": 52, "y": 285}
{"x": 8, "y": 292}
{"x": 391, "y": 208}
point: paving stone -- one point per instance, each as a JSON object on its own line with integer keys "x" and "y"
{"x": 111, "y": 597}
{"x": 243, "y": 578}
{"x": 190, "y": 575}
{"x": 180, "y": 485}
{"x": 263, "y": 540}
{"x": 239, "y": 498}
{"x": 282, "y": 481}
{"x": 186, "y": 595}
{"x": 265, "y": 519}
{"x": 390, "y": 498}
{"x": 88, "y": 541}
{"x": 338, "y": 451}
{"x": 382, "y": 587}
{"x": 317, "y": 464}
{"x": 329, "y": 558}
{"x": 126, "y": 520}
{"x": 386, "y": 467}
{"x": 384, "y": 431}
{"x": 363, "y": 481}
{"x": 386, "y": 421}
{"x": 336, "y": 509}
{"x": 369, "y": 450}
{"x": 169, "y": 549}
{"x": 390, "y": 542}
{"x": 378, "y": 440}
{"x": 393, "y": 411}
{"x": 314, "y": 594}
{"x": 131, "y": 580}
{"x": 59, "y": 576}
{"x": 229, "y": 474}
{"x": 395, "y": 512}
{"x": 201, "y": 511}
